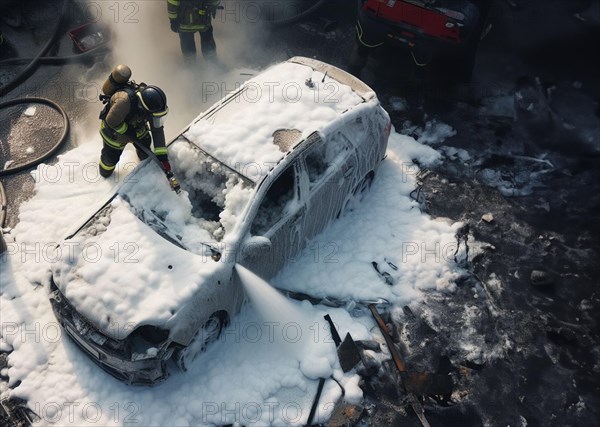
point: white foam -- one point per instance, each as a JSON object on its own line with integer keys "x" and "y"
{"x": 244, "y": 376}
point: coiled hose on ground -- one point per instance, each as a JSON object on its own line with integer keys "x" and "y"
{"x": 3, "y": 207}
{"x": 16, "y": 81}
{"x": 57, "y": 144}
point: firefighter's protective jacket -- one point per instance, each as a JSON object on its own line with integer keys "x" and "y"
{"x": 192, "y": 15}
{"x": 125, "y": 121}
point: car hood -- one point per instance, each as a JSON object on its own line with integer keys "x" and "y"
{"x": 119, "y": 273}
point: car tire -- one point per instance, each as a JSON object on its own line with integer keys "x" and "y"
{"x": 355, "y": 198}
{"x": 207, "y": 334}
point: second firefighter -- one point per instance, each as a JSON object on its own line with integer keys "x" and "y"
{"x": 188, "y": 17}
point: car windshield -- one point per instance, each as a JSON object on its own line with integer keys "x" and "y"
{"x": 210, "y": 205}
{"x": 218, "y": 194}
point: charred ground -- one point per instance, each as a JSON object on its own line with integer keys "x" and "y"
{"x": 519, "y": 336}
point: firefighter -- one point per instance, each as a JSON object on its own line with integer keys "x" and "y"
{"x": 133, "y": 113}
{"x": 190, "y": 16}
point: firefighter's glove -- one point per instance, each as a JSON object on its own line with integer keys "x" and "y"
{"x": 111, "y": 133}
{"x": 131, "y": 134}
{"x": 175, "y": 25}
{"x": 212, "y": 9}
{"x": 173, "y": 182}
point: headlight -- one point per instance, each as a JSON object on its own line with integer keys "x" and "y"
{"x": 146, "y": 342}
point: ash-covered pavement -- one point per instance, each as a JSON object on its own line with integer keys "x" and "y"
{"x": 521, "y": 171}
{"x": 519, "y": 335}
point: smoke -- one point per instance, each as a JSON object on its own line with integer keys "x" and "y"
{"x": 144, "y": 42}
{"x": 141, "y": 38}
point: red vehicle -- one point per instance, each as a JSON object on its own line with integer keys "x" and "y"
{"x": 428, "y": 29}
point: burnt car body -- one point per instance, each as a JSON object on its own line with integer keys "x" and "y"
{"x": 428, "y": 29}
{"x": 257, "y": 207}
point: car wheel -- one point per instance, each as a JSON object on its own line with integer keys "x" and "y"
{"x": 355, "y": 198}
{"x": 208, "y": 333}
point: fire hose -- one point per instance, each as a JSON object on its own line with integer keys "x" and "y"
{"x": 23, "y": 75}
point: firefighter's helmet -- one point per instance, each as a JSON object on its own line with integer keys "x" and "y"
{"x": 153, "y": 100}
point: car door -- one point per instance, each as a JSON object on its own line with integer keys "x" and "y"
{"x": 331, "y": 166}
{"x": 279, "y": 218}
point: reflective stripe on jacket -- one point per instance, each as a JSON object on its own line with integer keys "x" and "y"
{"x": 123, "y": 119}
{"x": 193, "y": 15}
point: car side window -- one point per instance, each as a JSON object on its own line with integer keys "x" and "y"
{"x": 324, "y": 155}
{"x": 276, "y": 203}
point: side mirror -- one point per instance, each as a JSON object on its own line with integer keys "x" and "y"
{"x": 256, "y": 246}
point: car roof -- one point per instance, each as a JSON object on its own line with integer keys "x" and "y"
{"x": 254, "y": 128}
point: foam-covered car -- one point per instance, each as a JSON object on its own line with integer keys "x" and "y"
{"x": 150, "y": 276}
